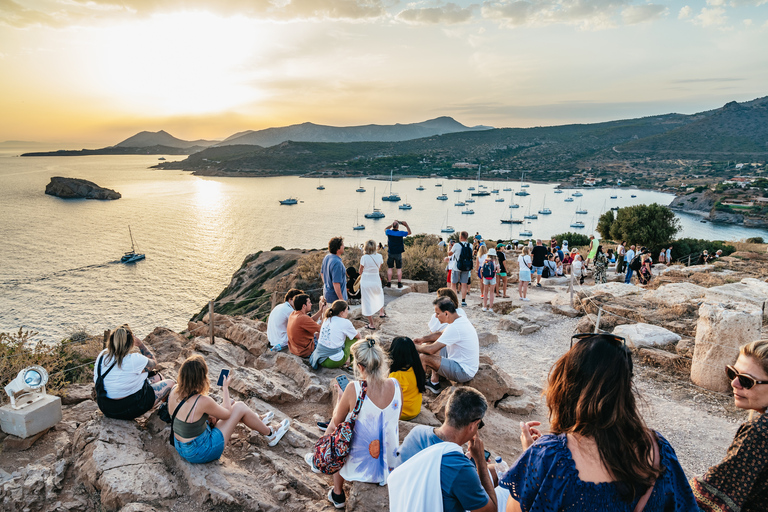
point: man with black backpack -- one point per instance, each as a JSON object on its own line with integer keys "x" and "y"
{"x": 461, "y": 257}
{"x": 630, "y": 255}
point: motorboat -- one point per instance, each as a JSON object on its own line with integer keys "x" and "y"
{"x": 494, "y": 191}
{"x": 499, "y": 199}
{"x": 614, "y": 197}
{"x": 457, "y": 190}
{"x": 471, "y": 188}
{"x": 577, "y": 224}
{"x": 420, "y": 187}
{"x": 558, "y": 191}
{"x": 577, "y": 194}
{"x": 460, "y": 203}
{"x": 470, "y": 200}
{"x": 508, "y": 189}
{"x": 376, "y": 213}
{"x": 568, "y": 199}
{"x": 514, "y": 205}
{"x": 442, "y": 197}
{"x": 132, "y": 256}
{"x": 290, "y": 200}
{"x": 468, "y": 212}
{"x": 522, "y": 193}
{"x": 526, "y": 232}
{"x": 525, "y": 185}
{"x": 633, "y": 195}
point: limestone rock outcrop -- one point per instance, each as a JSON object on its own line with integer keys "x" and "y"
{"x": 75, "y": 188}
{"x": 646, "y": 335}
{"x": 722, "y": 328}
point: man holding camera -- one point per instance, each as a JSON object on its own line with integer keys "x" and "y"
{"x": 395, "y": 249}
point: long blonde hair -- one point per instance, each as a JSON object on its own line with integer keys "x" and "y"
{"x": 119, "y": 345}
{"x": 757, "y": 350}
{"x": 370, "y": 356}
{"x": 370, "y": 247}
{"x": 482, "y": 250}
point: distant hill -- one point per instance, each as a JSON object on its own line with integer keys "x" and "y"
{"x": 734, "y": 129}
{"x": 161, "y": 138}
{"x": 310, "y": 132}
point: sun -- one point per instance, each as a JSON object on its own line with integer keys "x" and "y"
{"x": 182, "y": 63}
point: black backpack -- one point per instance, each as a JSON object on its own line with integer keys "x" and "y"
{"x": 489, "y": 270}
{"x": 545, "y": 273}
{"x": 636, "y": 263}
{"x": 464, "y": 263}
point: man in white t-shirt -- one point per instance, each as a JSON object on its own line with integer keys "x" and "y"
{"x": 277, "y": 324}
{"x": 456, "y": 354}
{"x": 458, "y": 275}
{"x": 435, "y": 326}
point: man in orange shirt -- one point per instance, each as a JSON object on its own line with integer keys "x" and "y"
{"x": 302, "y": 328}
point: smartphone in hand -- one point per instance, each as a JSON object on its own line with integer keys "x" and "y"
{"x": 223, "y": 375}
{"x": 343, "y": 381}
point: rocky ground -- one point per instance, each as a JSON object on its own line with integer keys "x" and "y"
{"x": 87, "y": 462}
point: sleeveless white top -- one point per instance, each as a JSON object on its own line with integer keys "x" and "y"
{"x": 375, "y": 441}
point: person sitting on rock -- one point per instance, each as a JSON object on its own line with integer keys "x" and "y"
{"x": 337, "y": 335}
{"x": 456, "y": 354}
{"x": 431, "y": 455}
{"x": 407, "y": 369}
{"x": 130, "y": 389}
{"x": 435, "y": 326}
{"x": 277, "y": 324}
{"x": 740, "y": 480}
{"x": 303, "y": 328}
{"x": 373, "y": 451}
{"x": 201, "y": 427}
{"x": 600, "y": 455}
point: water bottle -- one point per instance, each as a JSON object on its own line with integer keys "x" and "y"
{"x": 501, "y": 467}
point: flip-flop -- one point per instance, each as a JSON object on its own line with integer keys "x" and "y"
{"x": 372, "y": 328}
{"x": 383, "y": 316}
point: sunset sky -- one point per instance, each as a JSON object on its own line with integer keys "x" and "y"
{"x": 98, "y": 71}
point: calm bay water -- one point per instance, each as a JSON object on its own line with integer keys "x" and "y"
{"x": 59, "y": 259}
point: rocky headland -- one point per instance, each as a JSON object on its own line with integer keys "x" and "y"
{"x": 75, "y": 188}
{"x": 705, "y": 203}
{"x": 687, "y": 322}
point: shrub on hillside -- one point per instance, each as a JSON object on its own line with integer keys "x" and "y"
{"x": 425, "y": 262}
{"x": 574, "y": 239}
{"x": 755, "y": 240}
{"x": 694, "y": 246}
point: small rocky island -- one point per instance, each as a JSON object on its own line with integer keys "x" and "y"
{"x": 74, "y": 188}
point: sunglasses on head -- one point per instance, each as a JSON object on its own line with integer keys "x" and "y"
{"x": 481, "y": 424}
{"x": 618, "y": 341}
{"x": 746, "y": 381}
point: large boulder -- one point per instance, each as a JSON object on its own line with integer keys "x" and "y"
{"x": 748, "y": 293}
{"x": 494, "y": 383}
{"x": 111, "y": 459}
{"x": 615, "y": 289}
{"x": 33, "y": 486}
{"x": 646, "y": 335}
{"x": 250, "y": 338}
{"x": 675, "y": 293}
{"x": 721, "y": 330}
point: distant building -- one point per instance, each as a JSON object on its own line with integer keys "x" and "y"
{"x": 741, "y": 181}
{"x": 591, "y": 182}
{"x": 464, "y": 165}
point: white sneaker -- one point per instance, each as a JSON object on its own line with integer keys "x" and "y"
{"x": 335, "y": 503}
{"x": 485, "y": 309}
{"x": 308, "y": 458}
{"x": 526, "y": 299}
{"x": 278, "y": 434}
{"x": 267, "y": 419}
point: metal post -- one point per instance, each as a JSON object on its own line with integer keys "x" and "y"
{"x": 210, "y": 318}
{"x": 597, "y": 323}
{"x": 574, "y": 307}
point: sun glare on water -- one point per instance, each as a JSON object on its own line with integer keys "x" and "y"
{"x": 187, "y": 63}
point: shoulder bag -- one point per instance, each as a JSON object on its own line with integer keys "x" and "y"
{"x": 331, "y": 450}
{"x": 171, "y": 437}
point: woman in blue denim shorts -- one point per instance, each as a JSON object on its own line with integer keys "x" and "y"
{"x": 202, "y": 427}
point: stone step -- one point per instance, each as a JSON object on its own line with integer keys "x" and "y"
{"x": 397, "y": 292}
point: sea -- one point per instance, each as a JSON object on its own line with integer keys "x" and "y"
{"x": 60, "y": 268}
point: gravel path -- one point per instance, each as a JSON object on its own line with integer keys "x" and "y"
{"x": 700, "y": 425}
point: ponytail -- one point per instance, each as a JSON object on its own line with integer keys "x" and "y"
{"x": 336, "y": 308}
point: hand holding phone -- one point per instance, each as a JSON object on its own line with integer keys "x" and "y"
{"x": 224, "y": 374}
{"x": 343, "y": 380}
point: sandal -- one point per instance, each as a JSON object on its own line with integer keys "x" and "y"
{"x": 369, "y": 326}
{"x": 383, "y": 316}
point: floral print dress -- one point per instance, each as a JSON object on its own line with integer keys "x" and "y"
{"x": 376, "y": 437}
{"x": 601, "y": 261}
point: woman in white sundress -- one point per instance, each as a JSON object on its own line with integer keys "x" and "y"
{"x": 371, "y": 292}
{"x": 373, "y": 454}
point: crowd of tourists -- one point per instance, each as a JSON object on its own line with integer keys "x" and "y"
{"x": 598, "y": 454}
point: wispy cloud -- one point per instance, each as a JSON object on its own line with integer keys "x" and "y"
{"x": 705, "y": 80}
{"x": 685, "y": 12}
{"x": 583, "y": 13}
{"x": 711, "y": 17}
{"x": 448, "y": 14}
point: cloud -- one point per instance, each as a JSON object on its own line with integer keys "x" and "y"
{"x": 448, "y": 14}
{"x": 642, "y": 13}
{"x": 713, "y": 17}
{"x": 58, "y": 14}
{"x": 702, "y": 80}
{"x": 685, "y": 12}
{"x": 584, "y": 13}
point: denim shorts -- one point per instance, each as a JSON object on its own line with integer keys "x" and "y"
{"x": 537, "y": 270}
{"x": 204, "y": 448}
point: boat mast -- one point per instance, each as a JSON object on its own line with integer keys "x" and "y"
{"x": 130, "y": 233}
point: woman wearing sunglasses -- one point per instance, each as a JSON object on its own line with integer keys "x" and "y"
{"x": 740, "y": 481}
{"x": 600, "y": 455}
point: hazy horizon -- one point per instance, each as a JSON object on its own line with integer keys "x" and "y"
{"x": 98, "y": 72}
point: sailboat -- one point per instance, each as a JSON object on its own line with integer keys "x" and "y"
{"x": 526, "y": 232}
{"x": 558, "y": 191}
{"x": 406, "y": 205}
{"x": 376, "y": 213}
{"x": 469, "y": 199}
{"x": 568, "y": 199}
{"x": 507, "y": 189}
{"x": 442, "y": 196}
{"x": 420, "y": 187}
{"x": 544, "y": 210}
{"x": 522, "y": 185}
{"x": 358, "y": 226}
{"x": 447, "y": 228}
{"x": 132, "y": 256}
{"x": 468, "y": 211}
{"x": 392, "y": 196}
{"x": 457, "y": 190}
{"x": 531, "y": 215}
{"x": 577, "y": 194}
{"x": 320, "y": 185}
{"x": 480, "y": 188}
{"x": 459, "y": 202}
{"x": 499, "y": 199}
{"x": 581, "y": 211}
{"x": 511, "y": 220}
{"x": 577, "y": 224}
{"x": 513, "y": 204}
{"x": 360, "y": 188}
